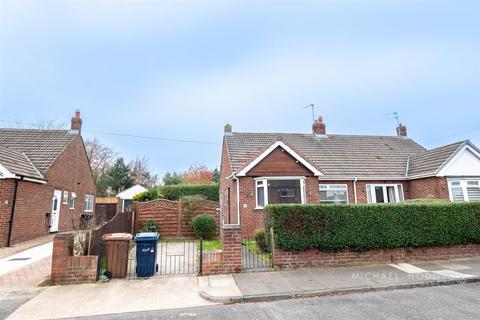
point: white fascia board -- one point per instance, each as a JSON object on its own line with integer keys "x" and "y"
{"x": 35, "y": 180}
{"x": 443, "y": 171}
{"x": 282, "y": 145}
{"x": 5, "y": 174}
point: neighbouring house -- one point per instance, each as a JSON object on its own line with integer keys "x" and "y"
{"x": 125, "y": 197}
{"x": 46, "y": 184}
{"x": 270, "y": 168}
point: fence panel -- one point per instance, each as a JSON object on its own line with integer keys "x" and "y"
{"x": 121, "y": 222}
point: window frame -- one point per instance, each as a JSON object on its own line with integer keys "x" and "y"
{"x": 333, "y": 184}
{"x": 372, "y": 197}
{"x": 87, "y": 197}
{"x": 464, "y": 185}
{"x": 65, "y": 197}
{"x": 73, "y": 201}
{"x": 262, "y": 182}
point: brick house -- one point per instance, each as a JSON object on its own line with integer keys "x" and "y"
{"x": 46, "y": 184}
{"x": 265, "y": 168}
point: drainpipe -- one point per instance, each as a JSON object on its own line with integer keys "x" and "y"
{"x": 355, "y": 189}
{"x": 238, "y": 199}
{"x": 12, "y": 214}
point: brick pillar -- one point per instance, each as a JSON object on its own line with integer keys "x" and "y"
{"x": 232, "y": 248}
{"x": 60, "y": 256}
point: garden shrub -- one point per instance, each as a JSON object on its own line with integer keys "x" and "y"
{"x": 178, "y": 191}
{"x": 262, "y": 240}
{"x": 149, "y": 226}
{"x": 204, "y": 226}
{"x": 149, "y": 195}
{"x": 373, "y": 226}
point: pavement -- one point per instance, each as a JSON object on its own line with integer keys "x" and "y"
{"x": 449, "y": 302}
{"x": 163, "y": 293}
{"x": 116, "y": 296}
{"x": 267, "y": 286}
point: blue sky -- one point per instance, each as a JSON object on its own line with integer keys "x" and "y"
{"x": 182, "y": 69}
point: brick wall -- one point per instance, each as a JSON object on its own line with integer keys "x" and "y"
{"x": 171, "y": 220}
{"x": 315, "y": 258}
{"x": 7, "y": 187}
{"x": 436, "y": 187}
{"x": 68, "y": 269}
{"x": 229, "y": 260}
{"x": 71, "y": 173}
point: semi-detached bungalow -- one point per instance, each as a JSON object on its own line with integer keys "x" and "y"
{"x": 270, "y": 168}
{"x": 46, "y": 184}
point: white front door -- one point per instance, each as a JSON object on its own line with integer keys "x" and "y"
{"x": 55, "y": 214}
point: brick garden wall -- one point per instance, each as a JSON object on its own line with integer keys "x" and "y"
{"x": 68, "y": 269}
{"x": 229, "y": 260}
{"x": 315, "y": 258}
{"x": 172, "y": 221}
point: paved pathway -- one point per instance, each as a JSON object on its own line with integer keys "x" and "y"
{"x": 255, "y": 286}
{"x": 116, "y": 296}
{"x": 22, "y": 246}
{"x": 25, "y": 258}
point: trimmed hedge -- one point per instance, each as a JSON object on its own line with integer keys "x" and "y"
{"x": 204, "y": 226}
{"x": 177, "y": 191}
{"x": 374, "y": 226}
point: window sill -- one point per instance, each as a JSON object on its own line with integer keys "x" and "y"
{"x": 258, "y": 208}
{"x": 88, "y": 211}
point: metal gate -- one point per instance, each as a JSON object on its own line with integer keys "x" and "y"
{"x": 253, "y": 258}
{"x": 177, "y": 257}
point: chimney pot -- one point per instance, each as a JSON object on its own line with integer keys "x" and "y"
{"x": 319, "y": 127}
{"x": 401, "y": 130}
{"x": 77, "y": 122}
{"x": 228, "y": 129}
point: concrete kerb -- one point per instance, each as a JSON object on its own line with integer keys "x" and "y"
{"x": 329, "y": 292}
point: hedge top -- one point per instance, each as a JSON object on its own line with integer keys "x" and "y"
{"x": 373, "y": 226}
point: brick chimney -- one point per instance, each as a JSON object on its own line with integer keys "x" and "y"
{"x": 228, "y": 129}
{"x": 319, "y": 128}
{"x": 77, "y": 122}
{"x": 401, "y": 130}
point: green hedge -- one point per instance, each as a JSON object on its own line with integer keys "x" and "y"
{"x": 365, "y": 227}
{"x": 175, "y": 192}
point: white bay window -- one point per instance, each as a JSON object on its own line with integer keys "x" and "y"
{"x": 464, "y": 190}
{"x": 384, "y": 193}
{"x": 279, "y": 190}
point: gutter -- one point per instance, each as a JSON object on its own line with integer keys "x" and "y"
{"x": 12, "y": 214}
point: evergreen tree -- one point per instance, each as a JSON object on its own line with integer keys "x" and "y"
{"x": 119, "y": 176}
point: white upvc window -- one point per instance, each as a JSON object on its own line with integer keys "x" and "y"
{"x": 89, "y": 203}
{"x": 334, "y": 193}
{"x": 279, "y": 190}
{"x": 73, "y": 197}
{"x": 464, "y": 190}
{"x": 65, "y": 197}
{"x": 384, "y": 193}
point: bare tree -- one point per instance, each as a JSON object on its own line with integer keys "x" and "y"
{"x": 101, "y": 157}
{"x": 44, "y": 124}
{"x": 141, "y": 172}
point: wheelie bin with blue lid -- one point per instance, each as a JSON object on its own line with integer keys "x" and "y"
{"x": 146, "y": 253}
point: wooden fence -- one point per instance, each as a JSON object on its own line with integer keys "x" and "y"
{"x": 121, "y": 222}
{"x": 171, "y": 218}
